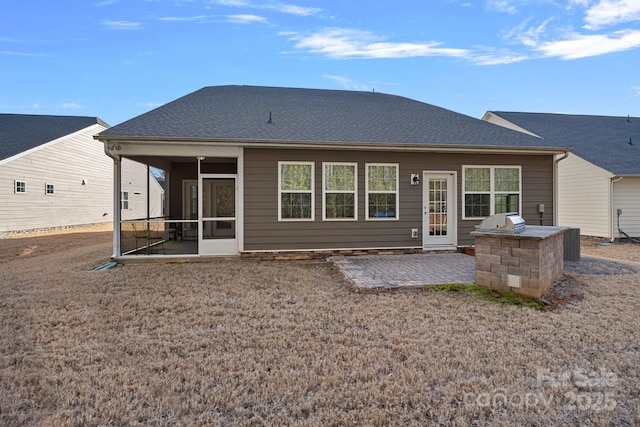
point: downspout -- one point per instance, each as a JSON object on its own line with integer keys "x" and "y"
{"x": 611, "y": 222}
{"x": 116, "y": 200}
{"x": 148, "y": 195}
{"x": 555, "y": 186}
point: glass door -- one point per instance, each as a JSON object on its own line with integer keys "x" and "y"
{"x": 438, "y": 219}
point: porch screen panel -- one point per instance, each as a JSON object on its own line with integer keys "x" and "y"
{"x": 219, "y": 209}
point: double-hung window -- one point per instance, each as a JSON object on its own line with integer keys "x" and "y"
{"x": 382, "y": 191}
{"x": 339, "y": 191}
{"x": 490, "y": 190}
{"x": 295, "y": 188}
{"x": 49, "y": 189}
{"x": 124, "y": 200}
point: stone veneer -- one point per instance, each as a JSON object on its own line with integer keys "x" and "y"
{"x": 526, "y": 263}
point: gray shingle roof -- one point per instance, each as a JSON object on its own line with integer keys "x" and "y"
{"x": 601, "y": 140}
{"x": 314, "y": 115}
{"x": 21, "y": 132}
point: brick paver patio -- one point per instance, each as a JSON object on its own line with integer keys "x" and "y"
{"x": 392, "y": 271}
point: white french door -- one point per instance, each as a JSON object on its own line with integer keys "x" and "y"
{"x": 439, "y": 210}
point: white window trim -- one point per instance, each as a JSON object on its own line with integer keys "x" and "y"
{"x": 354, "y": 191}
{"x": 15, "y": 186}
{"x": 46, "y": 189}
{"x": 367, "y": 192}
{"x": 492, "y": 193}
{"x": 312, "y": 192}
{"x": 122, "y": 200}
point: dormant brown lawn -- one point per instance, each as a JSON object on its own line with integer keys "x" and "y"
{"x": 254, "y": 343}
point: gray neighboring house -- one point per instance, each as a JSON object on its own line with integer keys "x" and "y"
{"x": 253, "y": 170}
{"x": 599, "y": 181}
{"x": 53, "y": 174}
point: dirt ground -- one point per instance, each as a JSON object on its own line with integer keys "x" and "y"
{"x": 264, "y": 343}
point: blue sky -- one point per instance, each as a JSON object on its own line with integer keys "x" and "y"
{"x": 116, "y": 59}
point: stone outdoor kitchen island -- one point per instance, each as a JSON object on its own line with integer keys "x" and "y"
{"x": 526, "y": 263}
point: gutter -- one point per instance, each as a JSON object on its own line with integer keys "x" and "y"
{"x": 555, "y": 186}
{"x": 336, "y": 145}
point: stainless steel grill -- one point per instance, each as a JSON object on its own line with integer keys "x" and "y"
{"x": 503, "y": 223}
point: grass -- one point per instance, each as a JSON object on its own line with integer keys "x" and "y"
{"x": 502, "y": 297}
{"x": 237, "y": 342}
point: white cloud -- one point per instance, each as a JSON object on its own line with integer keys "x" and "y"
{"x": 582, "y": 46}
{"x": 15, "y": 53}
{"x": 346, "y": 82}
{"x": 122, "y": 25}
{"x": 277, "y": 7}
{"x": 498, "y": 58}
{"x": 150, "y": 104}
{"x": 583, "y": 3}
{"x": 71, "y": 105}
{"x": 234, "y": 3}
{"x": 567, "y": 44}
{"x": 107, "y": 3}
{"x": 528, "y": 36}
{"x": 198, "y": 18}
{"x": 611, "y": 12}
{"x": 505, "y": 6}
{"x": 245, "y": 19}
{"x": 636, "y": 90}
{"x": 343, "y": 43}
{"x": 293, "y": 9}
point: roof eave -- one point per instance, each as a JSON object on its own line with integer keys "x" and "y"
{"x": 337, "y": 145}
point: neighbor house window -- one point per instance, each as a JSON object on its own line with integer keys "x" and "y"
{"x": 49, "y": 189}
{"x": 20, "y": 186}
{"x": 295, "y": 188}
{"x": 339, "y": 191}
{"x": 490, "y": 190}
{"x": 124, "y": 200}
{"x": 382, "y": 191}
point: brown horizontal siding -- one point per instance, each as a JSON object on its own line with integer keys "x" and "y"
{"x": 263, "y": 231}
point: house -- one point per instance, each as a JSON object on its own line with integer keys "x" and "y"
{"x": 599, "y": 181}
{"x": 53, "y": 174}
{"x": 253, "y": 170}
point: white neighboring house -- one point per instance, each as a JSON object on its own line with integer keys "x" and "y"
{"x": 599, "y": 181}
{"x": 53, "y": 174}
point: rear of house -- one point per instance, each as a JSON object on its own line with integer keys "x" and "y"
{"x": 253, "y": 170}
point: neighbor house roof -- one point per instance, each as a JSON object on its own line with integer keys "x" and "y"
{"x": 21, "y": 132}
{"x": 287, "y": 115}
{"x": 613, "y": 143}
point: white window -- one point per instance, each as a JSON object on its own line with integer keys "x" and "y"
{"x": 490, "y": 190}
{"x": 295, "y": 191}
{"x": 382, "y": 191}
{"x": 124, "y": 200}
{"x": 49, "y": 189}
{"x": 340, "y": 181}
{"x": 20, "y": 186}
